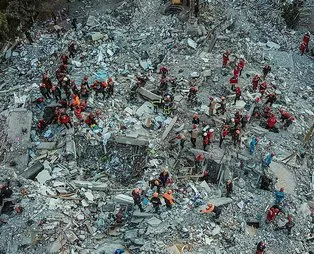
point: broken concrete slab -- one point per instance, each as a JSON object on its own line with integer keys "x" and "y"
{"x": 97, "y": 36}
{"x": 286, "y": 178}
{"x": 154, "y": 222}
{"x": 148, "y": 94}
{"x": 220, "y": 201}
{"x": 142, "y": 215}
{"x": 123, "y": 199}
{"x": 169, "y": 127}
{"x": 43, "y": 176}
{"x": 91, "y": 21}
{"x": 131, "y": 141}
{"x": 46, "y": 145}
{"x": 19, "y": 124}
{"x": 98, "y": 186}
{"x": 32, "y": 171}
{"x": 146, "y": 109}
{"x": 192, "y": 43}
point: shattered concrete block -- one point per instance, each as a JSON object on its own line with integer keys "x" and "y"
{"x": 46, "y": 145}
{"x": 192, "y": 43}
{"x": 148, "y": 94}
{"x": 124, "y": 199}
{"x": 91, "y": 21}
{"x": 131, "y": 141}
{"x": 220, "y": 201}
{"x": 99, "y": 186}
{"x": 97, "y": 36}
{"x": 207, "y": 73}
{"x": 32, "y": 171}
{"x": 142, "y": 215}
{"x": 146, "y": 109}
{"x": 89, "y": 196}
{"x": 272, "y": 45}
{"x": 154, "y": 222}
{"x": 205, "y": 186}
{"x": 43, "y": 176}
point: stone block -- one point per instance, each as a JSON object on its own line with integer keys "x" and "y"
{"x": 32, "y": 171}
{"x": 123, "y": 199}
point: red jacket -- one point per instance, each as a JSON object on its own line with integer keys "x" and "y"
{"x": 238, "y": 91}
{"x": 236, "y": 72}
{"x": 64, "y": 119}
{"x": 233, "y": 80}
{"x": 306, "y": 39}
{"x": 241, "y": 64}
{"x": 225, "y": 59}
{"x": 271, "y": 122}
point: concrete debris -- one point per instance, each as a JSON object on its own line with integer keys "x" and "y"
{"x": 128, "y": 76}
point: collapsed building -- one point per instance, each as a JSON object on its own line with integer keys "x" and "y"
{"x": 72, "y": 187}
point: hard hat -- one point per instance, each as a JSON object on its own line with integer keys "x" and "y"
{"x": 91, "y": 115}
{"x": 282, "y": 189}
{"x": 211, "y": 130}
{"x": 257, "y": 139}
{"x": 155, "y": 195}
{"x": 169, "y": 191}
{"x": 292, "y": 119}
{"x": 272, "y": 154}
{"x": 45, "y": 76}
{"x": 156, "y": 182}
{"x": 247, "y": 116}
{"x": 281, "y": 110}
{"x": 65, "y": 79}
{"x": 238, "y": 131}
{"x": 137, "y": 190}
{"x": 195, "y": 116}
{"x": 228, "y": 52}
{"x": 258, "y": 99}
{"x": 110, "y": 79}
{"x": 211, "y": 98}
{"x": 209, "y": 204}
{"x": 222, "y": 98}
{"x": 85, "y": 78}
{"x": 73, "y": 95}
{"x": 205, "y": 134}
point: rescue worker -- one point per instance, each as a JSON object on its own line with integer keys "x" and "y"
{"x": 72, "y": 48}
{"x": 192, "y": 95}
{"x": 241, "y": 65}
{"x": 262, "y": 88}
{"x": 244, "y": 121}
{"x": 237, "y": 119}
{"x": 285, "y": 115}
{"x": 194, "y": 134}
{"x": 306, "y": 40}
{"x": 225, "y": 58}
{"x": 271, "y": 215}
{"x": 42, "y": 124}
{"x": 255, "y": 82}
{"x": 168, "y": 199}
{"x": 222, "y": 108}
{"x": 265, "y": 182}
{"x": 85, "y": 82}
{"x": 163, "y": 86}
{"x": 223, "y": 134}
{"x": 210, "y": 136}
{"x": 266, "y": 70}
{"x": 163, "y": 177}
{"x": 237, "y": 95}
{"x": 253, "y": 144}
{"x": 78, "y": 113}
{"x": 236, "y": 137}
{"x": 155, "y": 200}
{"x": 229, "y": 187}
{"x": 163, "y": 70}
{"x": 74, "y": 87}
{"x": 280, "y": 195}
{"x": 211, "y": 208}
{"x": 260, "y": 247}
{"x": 64, "y": 59}
{"x": 289, "y": 225}
{"x": 110, "y": 83}
{"x": 137, "y": 198}
{"x": 205, "y": 141}
{"x": 233, "y": 81}
{"x": 98, "y": 87}
{"x": 211, "y": 106}
{"x": 181, "y": 138}
{"x": 271, "y": 99}
{"x": 173, "y": 83}
{"x": 267, "y": 112}
{"x": 47, "y": 81}
{"x": 141, "y": 80}
{"x": 75, "y": 101}
{"x": 56, "y": 92}
{"x": 268, "y": 159}
{"x": 195, "y": 119}
{"x": 64, "y": 118}
{"x": 167, "y": 104}
{"x": 90, "y": 120}
{"x": 302, "y": 48}
{"x": 84, "y": 92}
{"x": 288, "y": 122}
{"x": 236, "y": 72}
{"x": 271, "y": 122}
{"x": 44, "y": 91}
{"x": 155, "y": 183}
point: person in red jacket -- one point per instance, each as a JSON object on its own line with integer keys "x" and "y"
{"x": 233, "y": 81}
{"x": 271, "y": 99}
{"x": 236, "y": 72}
{"x": 42, "y": 124}
{"x": 236, "y": 137}
{"x": 306, "y": 40}
{"x": 44, "y": 91}
{"x": 271, "y": 122}
{"x": 237, "y": 95}
{"x": 225, "y": 58}
{"x": 163, "y": 70}
{"x": 255, "y": 82}
{"x": 284, "y": 115}
{"x": 241, "y": 65}
{"x": 302, "y": 48}
{"x": 64, "y": 59}
{"x": 262, "y": 88}
{"x": 205, "y": 141}
{"x": 288, "y": 122}
{"x": 47, "y": 81}
{"x": 64, "y": 118}
{"x": 271, "y": 214}
{"x": 223, "y": 134}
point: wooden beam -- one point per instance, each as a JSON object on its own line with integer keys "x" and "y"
{"x": 169, "y": 127}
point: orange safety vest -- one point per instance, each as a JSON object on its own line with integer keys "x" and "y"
{"x": 208, "y": 209}
{"x": 169, "y": 198}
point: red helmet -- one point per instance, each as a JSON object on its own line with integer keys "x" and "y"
{"x": 110, "y": 79}
{"x": 45, "y": 76}
{"x": 272, "y": 154}
{"x": 91, "y": 115}
{"x": 282, "y": 190}
{"x": 258, "y": 99}
{"x": 73, "y": 96}
{"x": 238, "y": 131}
{"x": 211, "y": 98}
{"x": 195, "y": 116}
{"x": 228, "y": 52}
{"x": 222, "y": 98}
{"x": 155, "y": 195}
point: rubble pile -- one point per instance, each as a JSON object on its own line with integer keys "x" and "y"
{"x": 72, "y": 186}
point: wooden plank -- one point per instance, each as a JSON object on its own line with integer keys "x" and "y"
{"x": 169, "y": 127}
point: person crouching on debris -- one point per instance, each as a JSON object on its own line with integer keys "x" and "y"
{"x": 155, "y": 183}
{"x": 163, "y": 177}
{"x": 64, "y": 119}
{"x": 253, "y": 144}
{"x": 229, "y": 187}
{"x": 137, "y": 198}
{"x": 261, "y": 246}
{"x": 271, "y": 214}
{"x": 280, "y": 195}
{"x": 90, "y": 120}
{"x": 169, "y": 199}
{"x": 156, "y": 202}
{"x": 211, "y": 208}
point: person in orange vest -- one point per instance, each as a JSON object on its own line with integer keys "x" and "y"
{"x": 302, "y": 48}
{"x": 211, "y": 208}
{"x": 255, "y": 82}
{"x": 225, "y": 58}
{"x": 237, "y": 95}
{"x": 168, "y": 199}
{"x": 75, "y": 101}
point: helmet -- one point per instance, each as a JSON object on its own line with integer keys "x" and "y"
{"x": 209, "y": 204}
{"x": 228, "y": 52}
{"x": 137, "y": 190}
{"x": 258, "y": 99}
{"x": 211, "y": 130}
{"x": 211, "y": 98}
{"x": 45, "y": 76}
{"x": 247, "y": 116}
{"x": 238, "y": 131}
{"x": 91, "y": 115}
{"x": 282, "y": 189}
{"x": 65, "y": 79}
{"x": 169, "y": 191}
{"x": 85, "y": 78}
{"x": 72, "y": 81}
{"x": 281, "y": 110}
{"x": 110, "y": 79}
{"x": 53, "y": 88}
{"x": 272, "y": 154}
{"x": 292, "y": 119}
{"x": 257, "y": 139}
{"x": 205, "y": 134}
{"x": 156, "y": 182}
{"x": 195, "y": 116}
{"x": 73, "y": 96}
{"x": 155, "y": 195}
{"x": 222, "y": 98}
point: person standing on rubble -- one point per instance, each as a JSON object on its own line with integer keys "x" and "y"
{"x": 306, "y": 41}
{"x": 266, "y": 70}
{"x": 271, "y": 99}
{"x": 72, "y": 48}
{"x": 192, "y": 95}
{"x": 137, "y": 198}
{"x": 225, "y": 58}
{"x": 261, "y": 246}
{"x": 194, "y": 134}
{"x": 262, "y": 88}
{"x": 279, "y": 195}
{"x": 155, "y": 200}
{"x": 163, "y": 70}
{"x": 268, "y": 159}
{"x": 229, "y": 187}
{"x": 253, "y": 144}
{"x": 302, "y": 48}
{"x": 255, "y": 82}
{"x": 163, "y": 177}
{"x": 211, "y": 208}
{"x": 110, "y": 89}
{"x": 236, "y": 137}
{"x": 64, "y": 119}
{"x": 196, "y": 119}
{"x": 288, "y": 122}
{"x": 211, "y": 106}
{"x": 44, "y": 91}
{"x": 233, "y": 82}
{"x": 237, "y": 95}
{"x": 222, "y": 108}
{"x": 56, "y": 92}
{"x": 169, "y": 199}
{"x": 241, "y": 65}
{"x": 244, "y": 121}
{"x": 155, "y": 183}
{"x": 223, "y": 134}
